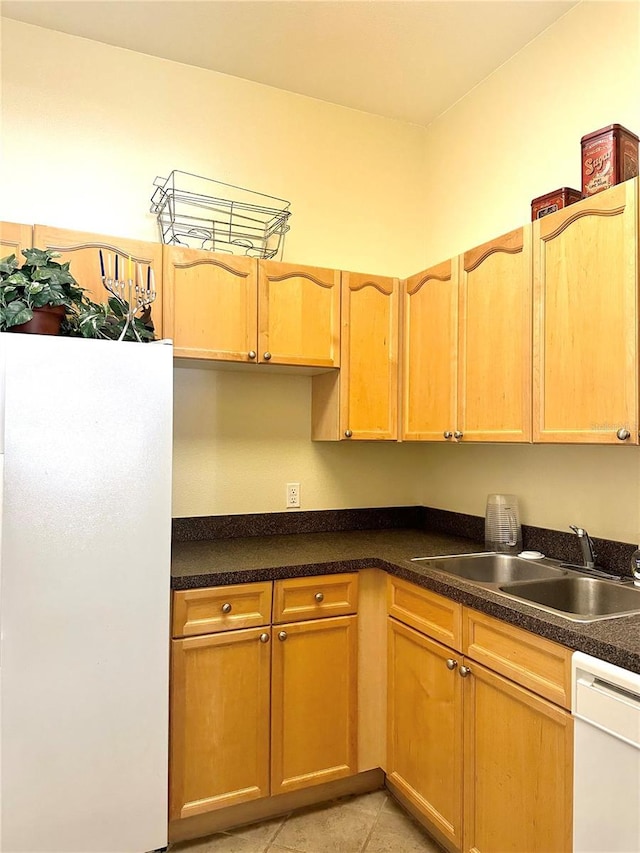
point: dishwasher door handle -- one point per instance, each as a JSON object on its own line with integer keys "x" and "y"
{"x": 608, "y": 707}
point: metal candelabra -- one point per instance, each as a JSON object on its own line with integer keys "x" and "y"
{"x": 133, "y": 297}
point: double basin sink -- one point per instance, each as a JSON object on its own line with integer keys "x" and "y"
{"x": 547, "y": 584}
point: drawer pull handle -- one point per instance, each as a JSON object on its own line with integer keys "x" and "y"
{"x": 623, "y": 434}
{"x": 465, "y": 671}
{"x": 282, "y": 636}
{"x": 264, "y": 638}
{"x": 226, "y": 608}
{"x": 252, "y": 354}
{"x": 451, "y": 663}
{"x": 267, "y": 356}
{"x": 319, "y": 597}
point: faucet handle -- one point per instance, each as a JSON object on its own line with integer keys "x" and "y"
{"x": 579, "y": 531}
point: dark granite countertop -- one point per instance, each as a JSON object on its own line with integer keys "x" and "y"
{"x": 228, "y": 561}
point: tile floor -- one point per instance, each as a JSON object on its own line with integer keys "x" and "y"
{"x": 368, "y": 823}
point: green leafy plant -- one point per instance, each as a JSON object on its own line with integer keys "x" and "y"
{"x": 107, "y": 320}
{"x": 41, "y": 281}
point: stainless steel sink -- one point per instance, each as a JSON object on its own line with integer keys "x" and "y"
{"x": 581, "y": 598}
{"x": 492, "y": 568}
{"x": 546, "y": 584}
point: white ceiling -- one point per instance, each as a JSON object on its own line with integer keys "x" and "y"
{"x": 404, "y": 59}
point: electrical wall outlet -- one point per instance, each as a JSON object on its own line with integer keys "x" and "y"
{"x": 293, "y": 495}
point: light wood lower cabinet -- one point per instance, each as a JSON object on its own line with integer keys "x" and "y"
{"x": 518, "y": 768}
{"x": 425, "y": 728}
{"x": 220, "y": 695}
{"x": 511, "y": 787}
{"x": 260, "y": 711}
{"x": 313, "y": 703}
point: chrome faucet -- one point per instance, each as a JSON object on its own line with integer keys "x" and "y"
{"x": 588, "y": 553}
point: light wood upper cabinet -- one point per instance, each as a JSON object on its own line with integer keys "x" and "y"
{"x": 220, "y": 691}
{"x": 518, "y": 768}
{"x": 430, "y": 350}
{"x": 211, "y": 304}
{"x": 298, "y": 315}
{"x": 494, "y": 367}
{"x": 15, "y": 237}
{"x": 361, "y": 402}
{"x": 313, "y": 703}
{"x": 424, "y": 738}
{"x": 81, "y": 249}
{"x": 585, "y": 343}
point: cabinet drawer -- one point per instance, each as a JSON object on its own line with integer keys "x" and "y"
{"x": 426, "y": 611}
{"x": 221, "y": 608}
{"x": 529, "y": 660}
{"x": 296, "y": 599}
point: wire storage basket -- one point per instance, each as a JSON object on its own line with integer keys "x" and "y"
{"x": 201, "y": 213}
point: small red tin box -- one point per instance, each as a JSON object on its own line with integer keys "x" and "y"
{"x": 609, "y": 156}
{"x": 556, "y": 200}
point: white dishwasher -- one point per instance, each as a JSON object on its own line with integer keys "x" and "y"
{"x": 606, "y": 801}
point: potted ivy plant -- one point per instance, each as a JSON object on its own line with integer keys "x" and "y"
{"x": 37, "y": 296}
{"x": 43, "y": 297}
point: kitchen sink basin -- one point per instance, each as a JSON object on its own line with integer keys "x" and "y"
{"x": 491, "y": 568}
{"x": 547, "y": 584}
{"x": 580, "y": 598}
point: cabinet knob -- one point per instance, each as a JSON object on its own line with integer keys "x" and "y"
{"x": 623, "y": 434}
{"x": 319, "y": 596}
{"x": 267, "y": 356}
{"x": 226, "y": 608}
{"x": 348, "y": 433}
{"x": 451, "y": 663}
{"x": 282, "y": 636}
{"x": 252, "y": 353}
{"x": 465, "y": 671}
{"x": 457, "y": 435}
{"x": 264, "y": 638}
{"x": 447, "y": 433}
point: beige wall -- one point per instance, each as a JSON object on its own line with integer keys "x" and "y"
{"x": 512, "y": 138}
{"x": 87, "y": 127}
{"x": 517, "y": 135}
{"x": 95, "y": 124}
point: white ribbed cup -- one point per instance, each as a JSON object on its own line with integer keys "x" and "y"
{"x": 502, "y": 531}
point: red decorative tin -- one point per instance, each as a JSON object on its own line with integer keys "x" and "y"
{"x": 556, "y": 200}
{"x": 609, "y": 156}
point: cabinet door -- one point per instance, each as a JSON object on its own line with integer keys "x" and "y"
{"x": 424, "y": 738}
{"x": 585, "y": 368}
{"x": 369, "y": 357}
{"x": 518, "y": 768}
{"x": 430, "y": 353}
{"x": 82, "y": 249}
{"x": 494, "y": 373}
{"x": 219, "y": 721}
{"x": 14, "y": 238}
{"x": 313, "y": 703}
{"x": 211, "y": 304}
{"x": 299, "y": 315}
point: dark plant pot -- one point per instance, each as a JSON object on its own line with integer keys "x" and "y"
{"x": 45, "y": 321}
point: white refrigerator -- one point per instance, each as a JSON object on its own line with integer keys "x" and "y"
{"x": 86, "y": 444}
